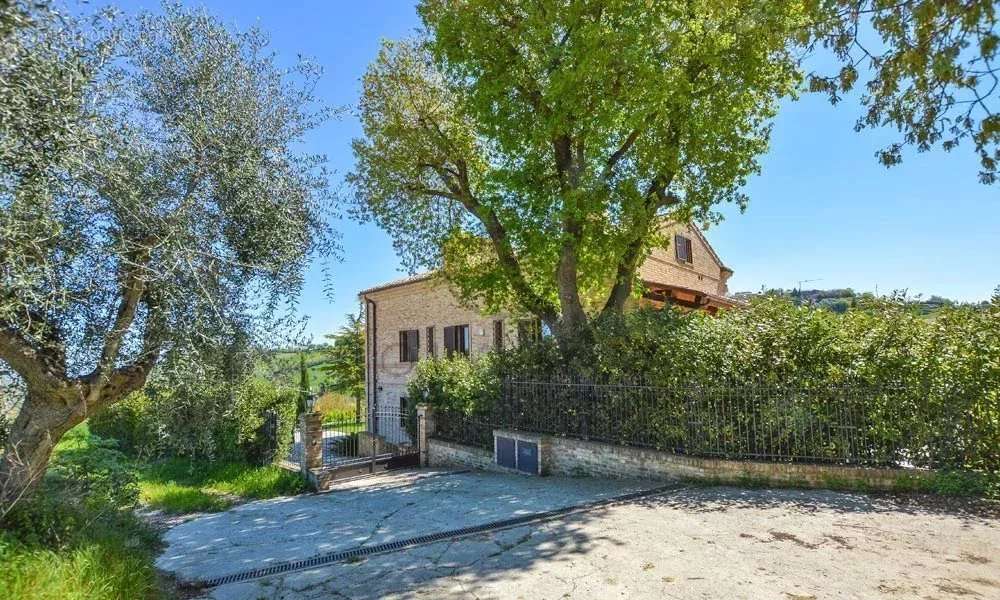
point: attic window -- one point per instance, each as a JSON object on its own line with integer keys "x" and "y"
{"x": 682, "y": 248}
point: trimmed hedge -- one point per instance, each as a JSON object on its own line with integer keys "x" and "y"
{"x": 937, "y": 381}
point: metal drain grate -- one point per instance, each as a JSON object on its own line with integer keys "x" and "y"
{"x": 342, "y": 555}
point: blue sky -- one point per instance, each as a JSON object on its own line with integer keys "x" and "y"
{"x": 822, "y": 208}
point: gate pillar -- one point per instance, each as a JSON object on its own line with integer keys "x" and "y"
{"x": 425, "y": 429}
{"x": 311, "y": 427}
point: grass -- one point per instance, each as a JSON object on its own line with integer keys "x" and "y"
{"x": 111, "y": 564}
{"x": 179, "y": 486}
{"x": 52, "y": 548}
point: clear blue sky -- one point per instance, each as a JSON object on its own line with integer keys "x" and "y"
{"x": 822, "y": 207}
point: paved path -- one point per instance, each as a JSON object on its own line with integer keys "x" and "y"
{"x": 365, "y": 512}
{"x": 688, "y": 543}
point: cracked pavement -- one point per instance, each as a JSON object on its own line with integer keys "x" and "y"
{"x": 365, "y": 512}
{"x": 712, "y": 542}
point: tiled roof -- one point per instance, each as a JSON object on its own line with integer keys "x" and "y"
{"x": 398, "y": 282}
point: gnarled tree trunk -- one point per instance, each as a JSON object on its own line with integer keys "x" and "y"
{"x": 41, "y": 422}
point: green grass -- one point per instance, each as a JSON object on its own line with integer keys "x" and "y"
{"x": 111, "y": 564}
{"x": 52, "y": 549}
{"x": 180, "y": 486}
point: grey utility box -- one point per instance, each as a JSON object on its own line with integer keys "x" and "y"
{"x": 524, "y": 452}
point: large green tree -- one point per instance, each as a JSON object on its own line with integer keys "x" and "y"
{"x": 152, "y": 200}
{"x": 346, "y": 359}
{"x": 531, "y": 149}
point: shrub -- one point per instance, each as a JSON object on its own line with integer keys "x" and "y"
{"x": 201, "y": 420}
{"x": 77, "y": 537}
{"x": 252, "y": 402}
{"x": 929, "y": 391}
{"x": 131, "y": 423}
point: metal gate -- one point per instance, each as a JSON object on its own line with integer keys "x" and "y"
{"x": 371, "y": 441}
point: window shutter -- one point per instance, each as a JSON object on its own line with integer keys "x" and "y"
{"x": 430, "y": 341}
{"x": 498, "y": 334}
{"x": 415, "y": 345}
{"x": 402, "y": 346}
{"x": 687, "y": 252}
{"x": 449, "y": 340}
{"x": 463, "y": 344}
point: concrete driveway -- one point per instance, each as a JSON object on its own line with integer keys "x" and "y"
{"x": 679, "y": 543}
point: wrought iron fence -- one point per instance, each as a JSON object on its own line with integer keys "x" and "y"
{"x": 368, "y": 436}
{"x": 843, "y": 424}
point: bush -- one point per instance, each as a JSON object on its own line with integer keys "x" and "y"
{"x": 253, "y": 401}
{"x": 928, "y": 390}
{"x": 200, "y": 420}
{"x": 130, "y": 421}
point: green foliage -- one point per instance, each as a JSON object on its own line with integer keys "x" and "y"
{"x": 179, "y": 486}
{"x": 196, "y": 420}
{"x": 346, "y": 365}
{"x": 253, "y": 400}
{"x": 130, "y": 423}
{"x": 532, "y": 149}
{"x": 305, "y": 388}
{"x": 88, "y": 481}
{"x": 931, "y": 388}
{"x": 78, "y": 537}
{"x": 154, "y": 200}
{"x": 926, "y": 69}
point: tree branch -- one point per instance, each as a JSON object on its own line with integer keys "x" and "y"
{"x": 37, "y": 367}
{"x": 656, "y": 198}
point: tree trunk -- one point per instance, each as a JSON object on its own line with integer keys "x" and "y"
{"x": 41, "y": 422}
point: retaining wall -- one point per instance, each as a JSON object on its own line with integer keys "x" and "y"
{"x": 565, "y": 456}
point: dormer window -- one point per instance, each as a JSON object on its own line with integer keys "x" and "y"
{"x": 682, "y": 248}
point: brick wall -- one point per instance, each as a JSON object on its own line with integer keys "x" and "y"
{"x": 418, "y": 306}
{"x": 579, "y": 458}
{"x": 704, "y": 273}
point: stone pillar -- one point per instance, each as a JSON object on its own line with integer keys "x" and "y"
{"x": 311, "y": 428}
{"x": 425, "y": 429}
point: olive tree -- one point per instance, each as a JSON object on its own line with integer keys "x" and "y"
{"x": 152, "y": 199}
{"x": 532, "y": 149}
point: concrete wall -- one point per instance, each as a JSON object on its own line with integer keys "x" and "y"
{"x": 581, "y": 458}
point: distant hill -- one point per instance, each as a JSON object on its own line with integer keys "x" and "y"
{"x": 841, "y": 300}
{"x": 282, "y": 366}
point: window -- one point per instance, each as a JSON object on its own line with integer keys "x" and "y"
{"x": 682, "y": 247}
{"x": 409, "y": 346}
{"x": 403, "y": 405}
{"x": 456, "y": 339}
{"x": 430, "y": 342}
{"x": 498, "y": 335}
{"x": 529, "y": 330}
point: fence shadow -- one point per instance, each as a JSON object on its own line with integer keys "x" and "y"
{"x": 724, "y": 498}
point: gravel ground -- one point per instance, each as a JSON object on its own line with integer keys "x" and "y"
{"x": 713, "y": 542}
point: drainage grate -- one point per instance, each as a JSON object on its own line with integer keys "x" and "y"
{"x": 342, "y": 555}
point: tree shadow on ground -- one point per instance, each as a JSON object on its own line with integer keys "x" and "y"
{"x": 721, "y": 498}
{"x": 495, "y": 560}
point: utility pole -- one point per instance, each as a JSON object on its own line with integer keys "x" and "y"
{"x": 801, "y": 281}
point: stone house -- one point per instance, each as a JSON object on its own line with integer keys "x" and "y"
{"x": 418, "y": 317}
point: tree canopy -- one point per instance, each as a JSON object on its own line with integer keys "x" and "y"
{"x": 152, "y": 199}
{"x": 531, "y": 150}
{"x": 927, "y": 68}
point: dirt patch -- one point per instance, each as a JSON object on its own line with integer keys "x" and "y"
{"x": 974, "y": 559}
{"x": 782, "y": 536}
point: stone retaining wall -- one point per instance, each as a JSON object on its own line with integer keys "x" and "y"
{"x": 564, "y": 456}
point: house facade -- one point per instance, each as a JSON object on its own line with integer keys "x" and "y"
{"x": 419, "y": 317}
